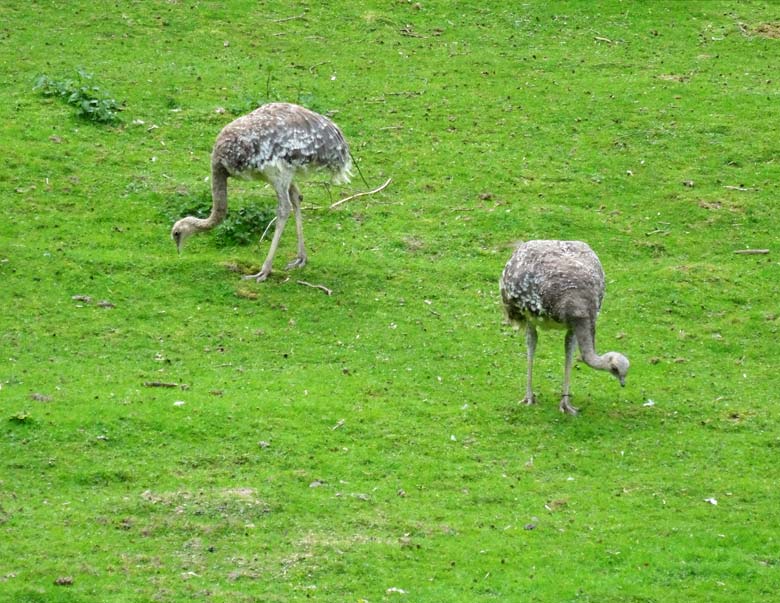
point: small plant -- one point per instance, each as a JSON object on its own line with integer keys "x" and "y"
{"x": 250, "y": 103}
{"x": 91, "y": 102}
{"x": 245, "y": 225}
{"x": 241, "y": 227}
{"x": 21, "y": 418}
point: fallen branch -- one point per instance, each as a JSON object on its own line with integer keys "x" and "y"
{"x": 752, "y": 251}
{"x": 602, "y": 39}
{"x": 265, "y": 232}
{"x": 739, "y": 188}
{"x": 356, "y": 195}
{"x": 282, "y": 20}
{"x": 163, "y": 384}
{"x": 313, "y": 68}
{"x": 320, "y": 287}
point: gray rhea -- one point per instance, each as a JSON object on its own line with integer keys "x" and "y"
{"x": 558, "y": 284}
{"x": 274, "y": 143}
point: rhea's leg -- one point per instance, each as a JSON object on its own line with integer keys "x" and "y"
{"x": 570, "y": 345}
{"x": 296, "y": 198}
{"x": 530, "y": 348}
{"x": 282, "y": 213}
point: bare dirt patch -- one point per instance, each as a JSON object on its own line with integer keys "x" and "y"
{"x": 767, "y": 30}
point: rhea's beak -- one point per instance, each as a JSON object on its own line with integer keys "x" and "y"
{"x": 622, "y": 381}
{"x": 177, "y": 239}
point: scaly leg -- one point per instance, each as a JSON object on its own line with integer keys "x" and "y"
{"x": 282, "y": 213}
{"x": 530, "y": 348}
{"x": 570, "y": 345}
{"x": 296, "y": 198}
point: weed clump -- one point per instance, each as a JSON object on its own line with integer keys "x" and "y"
{"x": 242, "y": 226}
{"x": 91, "y": 102}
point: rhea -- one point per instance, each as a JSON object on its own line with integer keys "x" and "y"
{"x": 558, "y": 284}
{"x": 274, "y": 143}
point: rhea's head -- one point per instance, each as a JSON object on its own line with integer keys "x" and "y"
{"x": 183, "y": 229}
{"x": 617, "y": 365}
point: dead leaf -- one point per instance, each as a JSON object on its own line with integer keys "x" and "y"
{"x": 554, "y": 505}
{"x": 710, "y": 204}
{"x": 671, "y": 77}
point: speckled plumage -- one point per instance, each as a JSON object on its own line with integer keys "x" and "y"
{"x": 278, "y": 138}
{"x": 276, "y": 143}
{"x": 552, "y": 280}
{"x": 558, "y": 284}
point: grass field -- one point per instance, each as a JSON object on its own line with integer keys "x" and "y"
{"x": 368, "y": 446}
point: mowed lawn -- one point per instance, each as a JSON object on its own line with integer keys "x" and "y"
{"x": 170, "y": 432}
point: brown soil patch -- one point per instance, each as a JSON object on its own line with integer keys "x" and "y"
{"x": 768, "y": 30}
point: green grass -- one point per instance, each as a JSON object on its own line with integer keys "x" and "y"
{"x": 342, "y": 448}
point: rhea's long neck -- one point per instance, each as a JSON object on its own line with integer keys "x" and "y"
{"x": 585, "y": 333}
{"x": 219, "y": 176}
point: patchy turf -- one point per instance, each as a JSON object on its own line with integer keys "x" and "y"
{"x": 169, "y": 432}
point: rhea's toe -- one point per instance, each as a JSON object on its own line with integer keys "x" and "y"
{"x": 528, "y": 400}
{"x": 567, "y": 408}
{"x": 259, "y": 277}
{"x": 298, "y": 262}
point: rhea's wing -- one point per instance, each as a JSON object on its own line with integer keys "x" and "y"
{"x": 304, "y": 138}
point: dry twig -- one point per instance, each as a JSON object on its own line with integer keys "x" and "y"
{"x": 320, "y": 287}
{"x": 752, "y": 251}
{"x": 313, "y": 68}
{"x": 283, "y": 19}
{"x": 739, "y": 188}
{"x": 356, "y": 195}
{"x": 265, "y": 232}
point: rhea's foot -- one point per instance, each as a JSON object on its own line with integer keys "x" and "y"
{"x": 566, "y": 407}
{"x": 528, "y": 400}
{"x": 259, "y": 277}
{"x": 298, "y": 262}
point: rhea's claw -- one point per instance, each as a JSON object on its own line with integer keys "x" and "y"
{"x": 259, "y": 277}
{"x": 298, "y": 262}
{"x": 566, "y": 407}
